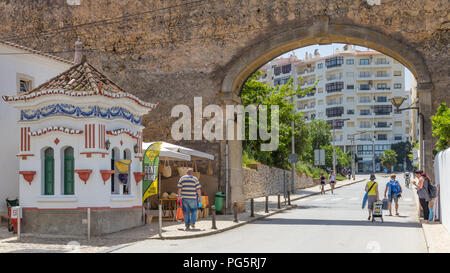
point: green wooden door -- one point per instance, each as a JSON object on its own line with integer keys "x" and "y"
{"x": 49, "y": 175}
{"x": 69, "y": 175}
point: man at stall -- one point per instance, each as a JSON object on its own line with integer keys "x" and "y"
{"x": 189, "y": 192}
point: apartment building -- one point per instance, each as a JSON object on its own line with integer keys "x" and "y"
{"x": 351, "y": 84}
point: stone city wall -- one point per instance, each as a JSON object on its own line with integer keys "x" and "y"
{"x": 261, "y": 180}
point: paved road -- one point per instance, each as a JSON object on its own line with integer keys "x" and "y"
{"x": 321, "y": 223}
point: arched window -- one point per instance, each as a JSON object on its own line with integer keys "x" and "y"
{"x": 69, "y": 164}
{"x": 49, "y": 172}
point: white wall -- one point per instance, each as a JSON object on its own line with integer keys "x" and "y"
{"x": 41, "y": 69}
{"x": 95, "y": 193}
{"x": 442, "y": 176}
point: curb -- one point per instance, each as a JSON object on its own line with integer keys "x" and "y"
{"x": 234, "y": 226}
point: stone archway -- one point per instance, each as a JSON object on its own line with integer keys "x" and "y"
{"x": 322, "y": 32}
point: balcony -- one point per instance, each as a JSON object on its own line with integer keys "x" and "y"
{"x": 381, "y": 64}
{"x": 382, "y": 77}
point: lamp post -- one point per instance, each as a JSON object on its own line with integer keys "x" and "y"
{"x": 397, "y": 102}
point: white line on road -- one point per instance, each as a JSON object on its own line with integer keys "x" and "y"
{"x": 317, "y": 199}
{"x": 354, "y": 198}
{"x": 336, "y": 199}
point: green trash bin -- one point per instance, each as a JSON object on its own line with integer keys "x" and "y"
{"x": 219, "y": 201}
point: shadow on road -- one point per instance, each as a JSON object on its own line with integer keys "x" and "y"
{"x": 325, "y": 222}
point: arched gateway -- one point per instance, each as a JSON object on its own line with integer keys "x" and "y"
{"x": 322, "y": 32}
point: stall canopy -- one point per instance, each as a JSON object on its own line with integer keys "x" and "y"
{"x": 178, "y": 153}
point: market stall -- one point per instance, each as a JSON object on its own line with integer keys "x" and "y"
{"x": 174, "y": 160}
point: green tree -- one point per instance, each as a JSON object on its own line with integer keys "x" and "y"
{"x": 403, "y": 149}
{"x": 258, "y": 93}
{"x": 388, "y": 158}
{"x": 441, "y": 127}
{"x": 319, "y": 135}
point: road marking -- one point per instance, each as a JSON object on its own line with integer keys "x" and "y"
{"x": 318, "y": 199}
{"x": 408, "y": 199}
{"x": 354, "y": 199}
{"x": 336, "y": 199}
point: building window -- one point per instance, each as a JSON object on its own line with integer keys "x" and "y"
{"x": 364, "y": 99}
{"x": 364, "y": 74}
{"x": 24, "y": 86}
{"x": 364, "y": 87}
{"x": 381, "y": 99}
{"x": 319, "y": 66}
{"x": 69, "y": 165}
{"x": 381, "y": 61}
{"x": 397, "y": 73}
{"x": 334, "y": 87}
{"x": 339, "y": 124}
{"x": 398, "y": 124}
{"x": 49, "y": 172}
{"x": 335, "y": 111}
{"x": 351, "y": 112}
{"x": 382, "y": 86}
{"x": 350, "y": 124}
{"x": 350, "y": 61}
{"x": 364, "y": 124}
{"x": 334, "y": 62}
{"x": 382, "y": 109}
{"x": 286, "y": 69}
{"x": 398, "y": 138}
{"x": 350, "y": 86}
{"x": 364, "y": 62}
{"x": 382, "y": 137}
{"x": 365, "y": 112}
{"x": 397, "y": 85}
{"x": 382, "y": 124}
{"x": 382, "y": 74}
{"x": 277, "y": 71}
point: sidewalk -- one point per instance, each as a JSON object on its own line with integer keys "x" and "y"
{"x": 171, "y": 230}
{"x": 437, "y": 237}
{"x": 226, "y": 222}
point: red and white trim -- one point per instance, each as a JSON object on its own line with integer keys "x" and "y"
{"x": 123, "y": 131}
{"x": 101, "y": 136}
{"x": 33, "y": 95}
{"x": 89, "y": 136}
{"x": 25, "y": 142}
{"x": 56, "y": 129}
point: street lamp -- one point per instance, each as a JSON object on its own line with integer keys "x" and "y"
{"x": 397, "y": 102}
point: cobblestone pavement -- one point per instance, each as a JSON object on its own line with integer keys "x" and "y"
{"x": 171, "y": 230}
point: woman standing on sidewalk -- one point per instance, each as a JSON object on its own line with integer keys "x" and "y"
{"x": 322, "y": 183}
{"x": 332, "y": 181}
{"x": 422, "y": 191}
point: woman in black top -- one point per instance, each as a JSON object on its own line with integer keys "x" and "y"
{"x": 322, "y": 183}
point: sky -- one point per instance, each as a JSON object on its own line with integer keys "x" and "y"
{"x": 326, "y": 50}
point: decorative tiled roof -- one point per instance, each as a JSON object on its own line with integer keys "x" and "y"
{"x": 81, "y": 77}
{"x": 37, "y": 52}
{"x": 80, "y": 80}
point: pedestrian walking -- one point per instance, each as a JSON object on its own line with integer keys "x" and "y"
{"x": 372, "y": 194}
{"x": 393, "y": 191}
{"x": 422, "y": 191}
{"x": 322, "y": 183}
{"x": 332, "y": 181}
{"x": 189, "y": 194}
